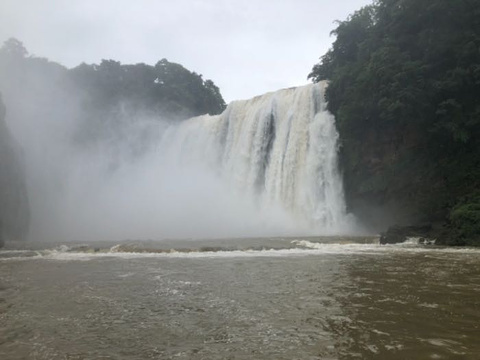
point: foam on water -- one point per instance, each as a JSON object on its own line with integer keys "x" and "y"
{"x": 267, "y": 248}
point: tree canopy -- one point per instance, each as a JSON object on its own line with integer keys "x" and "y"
{"x": 106, "y": 92}
{"x": 401, "y": 61}
{"x": 166, "y": 88}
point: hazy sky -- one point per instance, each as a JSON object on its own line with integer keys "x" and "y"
{"x": 247, "y": 47}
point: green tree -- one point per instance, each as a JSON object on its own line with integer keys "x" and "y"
{"x": 14, "y": 48}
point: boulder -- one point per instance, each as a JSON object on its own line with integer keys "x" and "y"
{"x": 398, "y": 234}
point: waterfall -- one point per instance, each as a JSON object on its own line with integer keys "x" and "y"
{"x": 264, "y": 167}
{"x": 278, "y": 150}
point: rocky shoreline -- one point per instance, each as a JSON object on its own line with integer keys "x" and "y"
{"x": 398, "y": 234}
{"x": 428, "y": 234}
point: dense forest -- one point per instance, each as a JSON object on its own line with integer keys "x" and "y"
{"x": 405, "y": 88}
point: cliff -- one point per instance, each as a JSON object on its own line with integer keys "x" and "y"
{"x": 390, "y": 179}
{"x": 14, "y": 209}
{"x": 387, "y": 182}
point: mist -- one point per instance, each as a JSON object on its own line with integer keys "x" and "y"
{"x": 125, "y": 184}
{"x": 106, "y": 191}
{"x": 115, "y": 152}
{"x": 105, "y": 194}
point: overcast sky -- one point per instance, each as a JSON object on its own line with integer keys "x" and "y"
{"x": 247, "y": 47}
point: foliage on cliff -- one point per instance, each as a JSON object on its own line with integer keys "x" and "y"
{"x": 167, "y": 88}
{"x": 404, "y": 86}
{"x": 464, "y": 221}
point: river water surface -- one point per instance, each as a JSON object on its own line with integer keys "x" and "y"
{"x": 303, "y": 298}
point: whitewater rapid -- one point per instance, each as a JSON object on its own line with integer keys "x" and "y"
{"x": 279, "y": 149}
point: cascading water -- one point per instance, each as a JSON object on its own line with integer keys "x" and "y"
{"x": 264, "y": 167}
{"x": 278, "y": 149}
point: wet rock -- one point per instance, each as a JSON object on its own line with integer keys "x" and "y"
{"x": 398, "y": 234}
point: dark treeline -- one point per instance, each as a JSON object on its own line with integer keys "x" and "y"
{"x": 405, "y": 88}
{"x": 106, "y": 92}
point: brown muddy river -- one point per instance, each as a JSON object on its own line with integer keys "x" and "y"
{"x": 240, "y": 299}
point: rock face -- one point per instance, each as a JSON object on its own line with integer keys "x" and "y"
{"x": 14, "y": 208}
{"x": 387, "y": 182}
{"x": 392, "y": 181}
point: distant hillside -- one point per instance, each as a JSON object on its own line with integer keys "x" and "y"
{"x": 98, "y": 96}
